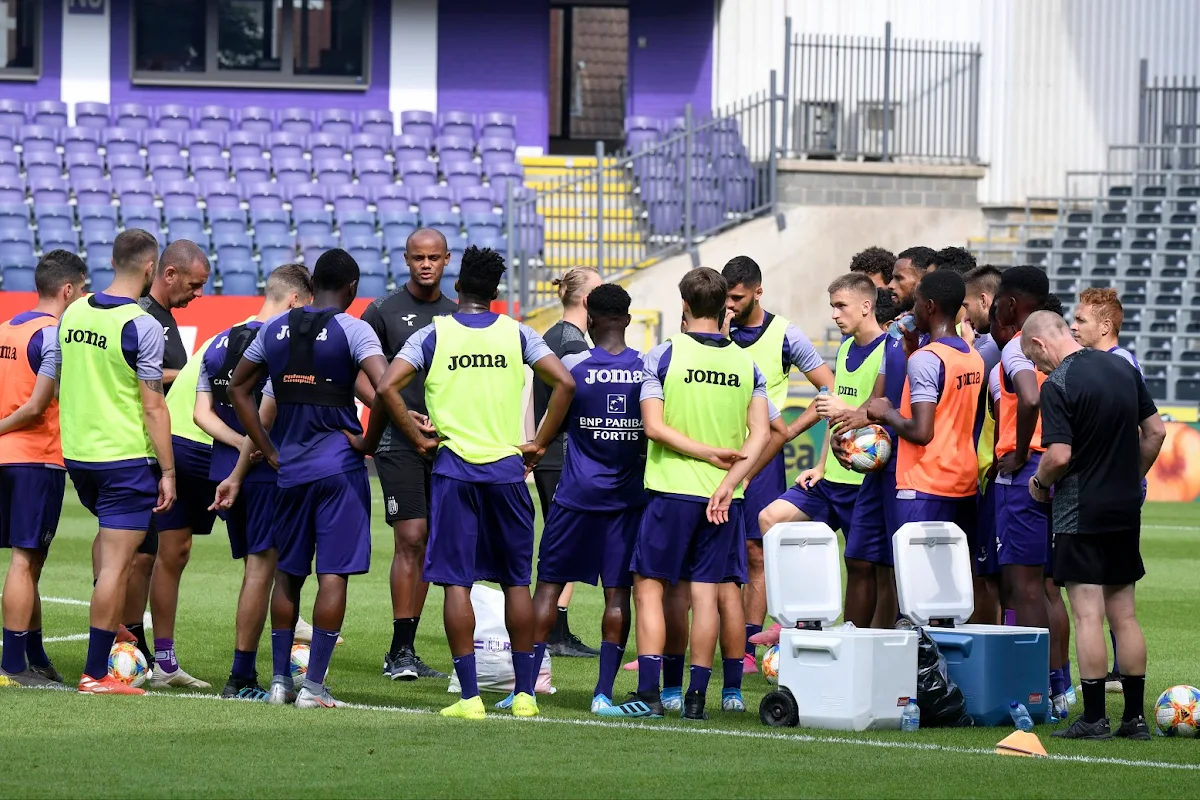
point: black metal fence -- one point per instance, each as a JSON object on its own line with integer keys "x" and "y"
{"x": 1169, "y": 114}
{"x": 879, "y": 98}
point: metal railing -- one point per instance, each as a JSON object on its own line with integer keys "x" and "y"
{"x": 879, "y": 98}
{"x": 1169, "y": 111}
{"x": 618, "y": 212}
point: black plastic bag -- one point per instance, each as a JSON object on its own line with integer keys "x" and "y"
{"x": 941, "y": 701}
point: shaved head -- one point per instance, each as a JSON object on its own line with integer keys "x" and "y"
{"x": 1046, "y": 340}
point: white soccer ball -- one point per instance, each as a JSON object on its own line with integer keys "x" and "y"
{"x": 869, "y": 448}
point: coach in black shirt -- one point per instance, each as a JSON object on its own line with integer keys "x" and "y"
{"x": 1102, "y": 434}
{"x": 404, "y": 473}
{"x": 182, "y": 272}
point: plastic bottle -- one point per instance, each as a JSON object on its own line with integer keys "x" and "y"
{"x": 910, "y": 719}
{"x": 1020, "y": 716}
{"x": 902, "y": 325}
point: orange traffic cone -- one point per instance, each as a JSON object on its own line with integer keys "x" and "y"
{"x": 1021, "y": 743}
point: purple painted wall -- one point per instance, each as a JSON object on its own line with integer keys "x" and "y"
{"x": 495, "y": 56}
{"x": 675, "y": 67}
{"x": 375, "y": 96}
{"x": 48, "y": 86}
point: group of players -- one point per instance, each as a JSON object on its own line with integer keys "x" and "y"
{"x": 671, "y": 473}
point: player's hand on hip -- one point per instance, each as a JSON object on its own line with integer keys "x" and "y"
{"x": 1040, "y": 495}
{"x": 166, "y": 493}
{"x": 809, "y": 478}
{"x": 531, "y": 454}
{"x": 226, "y": 496}
{"x": 1009, "y": 464}
{"x": 878, "y": 408}
{"x": 722, "y": 457}
{"x": 357, "y": 443}
{"x": 718, "y": 505}
{"x": 423, "y": 423}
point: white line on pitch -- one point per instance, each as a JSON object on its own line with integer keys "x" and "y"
{"x": 64, "y": 601}
{"x": 770, "y": 735}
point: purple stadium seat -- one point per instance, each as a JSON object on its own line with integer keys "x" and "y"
{"x": 397, "y": 227}
{"x": 178, "y": 194}
{"x": 224, "y": 221}
{"x": 96, "y": 219}
{"x": 8, "y": 138}
{"x": 475, "y": 200}
{"x": 460, "y": 174}
{"x": 13, "y": 214}
{"x": 126, "y": 167}
{"x": 355, "y": 223}
{"x": 378, "y": 121}
{"x": 256, "y": 119}
{"x": 40, "y": 165}
{"x": 165, "y": 169}
{"x": 234, "y": 247}
{"x": 434, "y": 199}
{"x": 336, "y": 120}
{"x": 221, "y": 196}
{"x": 49, "y": 191}
{"x": 410, "y": 147}
{"x": 653, "y": 165}
{"x": 144, "y": 217}
{"x": 50, "y": 112}
{"x": 272, "y": 223}
{"x": 326, "y": 146}
{"x": 121, "y": 141}
{"x": 275, "y": 250}
{"x": 369, "y": 147}
{"x": 12, "y": 112}
{"x": 497, "y": 150}
{"x": 375, "y": 173}
{"x": 240, "y": 284}
{"x": 483, "y": 225}
{"x": 454, "y": 148}
{"x": 85, "y": 166}
{"x": 81, "y": 141}
{"x": 656, "y": 189}
{"x": 263, "y": 196}
{"x": 349, "y": 197}
{"x": 641, "y": 132}
{"x": 313, "y": 247}
{"x": 214, "y": 119}
{"x": 10, "y": 168}
{"x": 39, "y": 138}
{"x": 291, "y": 170}
{"x": 173, "y": 117}
{"x": 203, "y": 143}
{"x": 162, "y": 142}
{"x": 210, "y": 169}
{"x": 245, "y": 144}
{"x": 306, "y": 198}
{"x": 285, "y": 145}
{"x": 418, "y": 173}
{"x": 390, "y": 199}
{"x": 17, "y": 276}
{"x": 361, "y": 249}
{"x": 498, "y": 125}
{"x": 133, "y": 116}
{"x": 665, "y": 217}
{"x": 186, "y": 223}
{"x": 457, "y": 123}
{"x": 297, "y": 120}
{"x": 417, "y": 123}
{"x": 333, "y": 171}
{"x": 500, "y": 175}
{"x": 90, "y": 115}
{"x": 447, "y": 223}
{"x": 134, "y": 193}
{"x": 250, "y": 170}
{"x": 62, "y": 215}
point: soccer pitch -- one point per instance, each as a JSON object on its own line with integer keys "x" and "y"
{"x": 393, "y": 744}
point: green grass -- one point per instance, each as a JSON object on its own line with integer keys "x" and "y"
{"x": 65, "y": 745}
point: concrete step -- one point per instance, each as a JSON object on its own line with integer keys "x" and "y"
{"x": 587, "y": 225}
{"x": 615, "y": 187}
{"x": 567, "y": 162}
{"x": 581, "y": 208}
{"x": 615, "y": 237}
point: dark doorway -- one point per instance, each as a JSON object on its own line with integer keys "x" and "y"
{"x": 589, "y": 65}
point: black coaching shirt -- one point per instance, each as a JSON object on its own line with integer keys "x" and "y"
{"x": 563, "y": 339}
{"x": 1094, "y": 402}
{"x": 175, "y": 355}
{"x": 394, "y": 318}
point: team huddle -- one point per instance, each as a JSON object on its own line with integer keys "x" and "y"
{"x": 672, "y": 470}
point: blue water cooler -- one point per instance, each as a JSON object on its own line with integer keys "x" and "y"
{"x": 992, "y": 664}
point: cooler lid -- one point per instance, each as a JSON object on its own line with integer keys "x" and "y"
{"x": 933, "y": 572}
{"x": 804, "y": 573}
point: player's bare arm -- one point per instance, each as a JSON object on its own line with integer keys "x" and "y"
{"x": 388, "y": 402}
{"x": 158, "y": 425}
{"x": 1152, "y": 435}
{"x": 247, "y": 375}
{"x": 169, "y": 376}
{"x": 32, "y": 409}
{"x": 775, "y": 442}
{"x": 1052, "y": 467}
{"x": 371, "y": 371}
{"x": 918, "y": 430}
{"x": 759, "y": 426}
{"x": 1028, "y": 407}
{"x": 658, "y": 431}
{"x": 206, "y": 419}
{"x": 562, "y": 389}
{"x": 248, "y": 456}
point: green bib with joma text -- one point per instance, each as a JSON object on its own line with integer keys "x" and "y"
{"x": 767, "y": 352}
{"x": 181, "y": 400}
{"x": 854, "y": 388}
{"x": 474, "y": 388}
{"x": 706, "y": 394}
{"x": 100, "y": 402}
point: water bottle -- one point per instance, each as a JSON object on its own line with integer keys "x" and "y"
{"x": 905, "y": 323}
{"x": 1020, "y": 716}
{"x": 910, "y": 720}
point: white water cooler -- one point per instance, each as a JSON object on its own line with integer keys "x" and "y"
{"x": 853, "y": 680}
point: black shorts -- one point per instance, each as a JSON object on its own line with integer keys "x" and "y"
{"x": 546, "y": 481}
{"x": 149, "y": 545}
{"x": 1101, "y": 559}
{"x": 404, "y": 476}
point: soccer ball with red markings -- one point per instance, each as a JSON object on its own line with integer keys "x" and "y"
{"x": 868, "y": 448}
{"x": 299, "y": 662}
{"x": 770, "y": 664}
{"x": 127, "y": 664}
{"x": 1176, "y": 710}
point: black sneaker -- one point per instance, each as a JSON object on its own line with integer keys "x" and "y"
{"x": 1135, "y": 729}
{"x": 1112, "y": 683}
{"x": 570, "y": 646}
{"x": 48, "y": 672}
{"x": 236, "y": 689}
{"x": 426, "y": 671}
{"x": 1079, "y": 729}
{"x": 693, "y": 706}
{"x": 401, "y": 666}
{"x": 647, "y": 705}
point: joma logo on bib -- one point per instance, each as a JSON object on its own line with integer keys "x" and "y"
{"x": 475, "y": 360}
{"x": 613, "y": 376}
{"x": 75, "y": 336}
{"x": 712, "y": 377}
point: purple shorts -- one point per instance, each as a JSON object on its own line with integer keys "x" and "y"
{"x": 251, "y": 519}
{"x": 122, "y": 498}
{"x": 479, "y": 532}
{"x": 194, "y": 492}
{"x": 959, "y": 510}
{"x": 874, "y": 519}
{"x": 765, "y": 489}
{"x": 738, "y": 569}
{"x": 30, "y": 504}
{"x": 983, "y": 545}
{"x": 1022, "y": 524}
{"x": 831, "y": 503}
{"x": 330, "y": 517}
{"x": 676, "y": 542}
{"x": 588, "y": 545}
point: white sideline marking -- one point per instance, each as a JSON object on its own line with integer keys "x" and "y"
{"x": 738, "y": 734}
{"x": 74, "y": 637}
{"x": 64, "y": 601}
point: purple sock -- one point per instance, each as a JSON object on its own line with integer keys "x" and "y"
{"x": 672, "y": 671}
{"x": 1116, "y": 667}
{"x": 1067, "y": 674}
{"x": 1057, "y": 682}
{"x": 731, "y": 669}
{"x": 100, "y": 643}
{"x": 164, "y": 655}
{"x": 698, "y": 679}
{"x": 649, "y": 669}
{"x": 323, "y": 642}
{"x": 244, "y": 664}
{"x": 610, "y": 662}
{"x": 13, "y": 658}
{"x": 525, "y": 672}
{"x": 34, "y": 650}
{"x": 539, "y": 657}
{"x": 281, "y": 652}
{"x": 1010, "y": 616}
{"x": 464, "y": 668}
{"x": 752, "y": 630}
